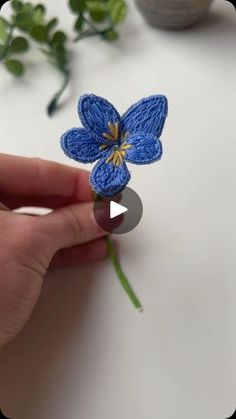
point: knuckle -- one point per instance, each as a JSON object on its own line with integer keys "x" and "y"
{"x": 42, "y": 169}
{"x": 22, "y": 236}
{"x": 39, "y": 169}
{"x": 25, "y": 230}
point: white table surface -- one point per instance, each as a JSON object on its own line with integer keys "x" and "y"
{"x": 86, "y": 354}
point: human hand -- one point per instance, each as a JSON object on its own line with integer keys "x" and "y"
{"x": 29, "y": 245}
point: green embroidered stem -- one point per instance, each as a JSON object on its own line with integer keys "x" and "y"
{"x": 121, "y": 276}
{"x": 117, "y": 266}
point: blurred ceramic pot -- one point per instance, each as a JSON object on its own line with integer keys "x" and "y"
{"x": 173, "y": 14}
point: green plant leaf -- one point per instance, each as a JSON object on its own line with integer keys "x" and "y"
{"x": 98, "y": 16}
{"x": 51, "y": 24}
{"x": 41, "y": 7}
{"x": 96, "y": 6}
{"x": 111, "y": 35}
{"x": 19, "y": 45}
{"x": 59, "y": 37}
{"x": 2, "y": 49}
{"x": 3, "y": 30}
{"x": 27, "y": 8}
{"x": 79, "y": 23}
{"x": 117, "y": 10}
{"x": 38, "y": 16}
{"x": 60, "y": 56}
{"x": 97, "y": 10}
{"x": 39, "y": 33}
{"x": 23, "y": 22}
{"x": 77, "y": 6}
{"x": 16, "y": 5}
{"x": 52, "y": 107}
{"x": 15, "y": 67}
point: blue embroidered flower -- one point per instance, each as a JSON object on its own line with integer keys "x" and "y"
{"x": 114, "y": 140}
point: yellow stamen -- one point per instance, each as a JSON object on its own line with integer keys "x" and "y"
{"x": 116, "y": 158}
{"x": 111, "y": 128}
{"x": 103, "y": 146}
{"x": 109, "y": 158}
{"x": 118, "y": 155}
{"x": 108, "y": 136}
{"x": 125, "y": 146}
{"x": 125, "y": 135}
{"x": 116, "y": 131}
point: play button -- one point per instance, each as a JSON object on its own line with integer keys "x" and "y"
{"x": 119, "y": 214}
{"x": 116, "y": 209}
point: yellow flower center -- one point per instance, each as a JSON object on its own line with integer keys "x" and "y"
{"x": 117, "y": 156}
{"x": 114, "y": 132}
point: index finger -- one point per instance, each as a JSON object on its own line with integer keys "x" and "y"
{"x": 35, "y": 177}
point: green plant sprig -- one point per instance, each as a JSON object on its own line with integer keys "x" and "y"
{"x": 117, "y": 267}
{"x": 28, "y": 25}
{"x": 31, "y": 20}
{"x": 98, "y": 17}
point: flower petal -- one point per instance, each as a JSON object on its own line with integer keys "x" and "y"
{"x": 148, "y": 115}
{"x": 78, "y": 144}
{"x": 145, "y": 149}
{"x": 107, "y": 179}
{"x": 95, "y": 114}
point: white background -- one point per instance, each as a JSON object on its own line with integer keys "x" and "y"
{"x": 86, "y": 354}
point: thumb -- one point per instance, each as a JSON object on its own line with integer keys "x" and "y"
{"x": 70, "y": 226}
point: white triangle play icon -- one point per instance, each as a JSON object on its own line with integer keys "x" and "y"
{"x": 116, "y": 209}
